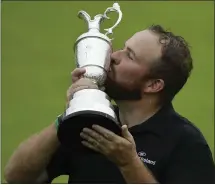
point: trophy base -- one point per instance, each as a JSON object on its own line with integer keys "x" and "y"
{"x": 71, "y": 126}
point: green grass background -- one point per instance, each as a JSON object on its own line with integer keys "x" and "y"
{"x": 37, "y": 58}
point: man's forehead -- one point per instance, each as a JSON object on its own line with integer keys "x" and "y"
{"x": 145, "y": 44}
{"x": 142, "y": 37}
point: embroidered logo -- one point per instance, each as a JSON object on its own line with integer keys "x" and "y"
{"x": 143, "y": 158}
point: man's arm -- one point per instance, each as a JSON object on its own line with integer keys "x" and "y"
{"x": 28, "y": 163}
{"x": 137, "y": 173}
{"x": 40, "y": 158}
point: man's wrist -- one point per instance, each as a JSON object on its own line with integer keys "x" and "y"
{"x": 136, "y": 172}
{"x": 133, "y": 163}
{"x": 58, "y": 121}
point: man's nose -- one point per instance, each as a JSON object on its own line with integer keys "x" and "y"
{"x": 115, "y": 58}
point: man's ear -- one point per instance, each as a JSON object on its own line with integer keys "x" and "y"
{"x": 154, "y": 86}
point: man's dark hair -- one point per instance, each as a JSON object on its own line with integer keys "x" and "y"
{"x": 175, "y": 64}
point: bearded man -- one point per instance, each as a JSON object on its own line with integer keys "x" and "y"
{"x": 157, "y": 145}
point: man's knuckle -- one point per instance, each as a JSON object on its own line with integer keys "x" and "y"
{"x": 130, "y": 145}
{"x": 112, "y": 148}
{"x": 107, "y": 136}
{"x": 99, "y": 138}
{"x": 95, "y": 135}
{"x": 118, "y": 143}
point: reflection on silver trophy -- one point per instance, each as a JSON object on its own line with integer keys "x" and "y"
{"x": 91, "y": 106}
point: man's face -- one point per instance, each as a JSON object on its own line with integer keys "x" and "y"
{"x": 127, "y": 79}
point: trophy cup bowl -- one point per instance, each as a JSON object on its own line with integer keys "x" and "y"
{"x": 90, "y": 106}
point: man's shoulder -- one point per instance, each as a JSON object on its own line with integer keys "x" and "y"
{"x": 186, "y": 129}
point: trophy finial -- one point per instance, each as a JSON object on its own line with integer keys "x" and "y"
{"x": 92, "y": 24}
{"x": 96, "y": 22}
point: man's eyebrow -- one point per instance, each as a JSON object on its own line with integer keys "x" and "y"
{"x": 130, "y": 50}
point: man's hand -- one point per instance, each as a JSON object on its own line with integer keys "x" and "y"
{"x": 79, "y": 83}
{"x": 120, "y": 150}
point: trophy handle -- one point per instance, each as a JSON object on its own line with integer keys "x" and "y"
{"x": 115, "y": 8}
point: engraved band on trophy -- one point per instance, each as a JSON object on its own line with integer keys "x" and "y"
{"x": 91, "y": 106}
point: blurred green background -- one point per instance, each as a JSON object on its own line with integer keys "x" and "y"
{"x": 37, "y": 58}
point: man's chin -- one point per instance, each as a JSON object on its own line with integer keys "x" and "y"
{"x": 119, "y": 93}
{"x": 130, "y": 96}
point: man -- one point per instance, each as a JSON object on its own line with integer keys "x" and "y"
{"x": 157, "y": 144}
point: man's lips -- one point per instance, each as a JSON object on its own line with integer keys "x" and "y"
{"x": 111, "y": 72}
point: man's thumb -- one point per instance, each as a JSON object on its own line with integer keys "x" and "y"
{"x": 126, "y": 134}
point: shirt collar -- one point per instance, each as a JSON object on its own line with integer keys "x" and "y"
{"x": 155, "y": 122}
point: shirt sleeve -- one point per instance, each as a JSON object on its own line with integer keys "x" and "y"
{"x": 59, "y": 165}
{"x": 191, "y": 163}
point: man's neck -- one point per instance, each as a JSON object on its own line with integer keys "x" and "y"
{"x": 134, "y": 113}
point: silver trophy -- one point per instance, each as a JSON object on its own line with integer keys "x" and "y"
{"x": 91, "y": 106}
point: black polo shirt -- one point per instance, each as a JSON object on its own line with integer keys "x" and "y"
{"x": 172, "y": 148}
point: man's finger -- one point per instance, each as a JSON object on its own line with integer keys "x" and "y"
{"x": 88, "y": 138}
{"x": 90, "y": 146}
{"x": 82, "y": 83}
{"x": 92, "y": 141}
{"x": 105, "y": 132}
{"x": 85, "y": 81}
{"x": 126, "y": 134}
{"x": 77, "y": 74}
{"x": 98, "y": 137}
{"x": 72, "y": 91}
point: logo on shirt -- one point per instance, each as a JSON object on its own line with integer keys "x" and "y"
{"x": 143, "y": 158}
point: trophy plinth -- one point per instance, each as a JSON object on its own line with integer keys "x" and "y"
{"x": 91, "y": 106}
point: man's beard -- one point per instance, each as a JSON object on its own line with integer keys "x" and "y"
{"x": 120, "y": 92}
